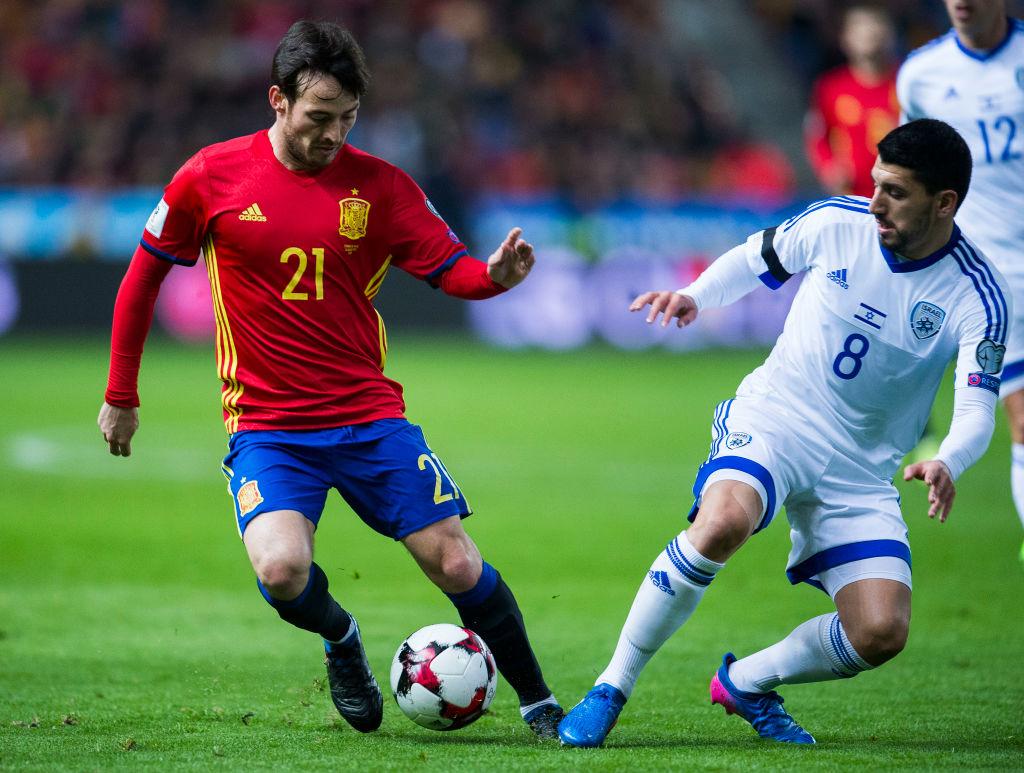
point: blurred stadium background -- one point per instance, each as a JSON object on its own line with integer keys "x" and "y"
{"x": 634, "y": 140}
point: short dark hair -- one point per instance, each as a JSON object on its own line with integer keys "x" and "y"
{"x": 318, "y": 48}
{"x": 934, "y": 152}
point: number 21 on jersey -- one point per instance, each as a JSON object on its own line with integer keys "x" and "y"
{"x": 290, "y": 293}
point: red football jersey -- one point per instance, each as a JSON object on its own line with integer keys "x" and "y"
{"x": 846, "y": 120}
{"x": 294, "y": 260}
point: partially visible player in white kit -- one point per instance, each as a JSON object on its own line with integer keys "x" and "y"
{"x": 892, "y": 292}
{"x": 973, "y": 79}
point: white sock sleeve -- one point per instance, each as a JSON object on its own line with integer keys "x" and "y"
{"x": 668, "y": 596}
{"x": 816, "y": 651}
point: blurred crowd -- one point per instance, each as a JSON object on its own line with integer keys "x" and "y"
{"x": 585, "y": 100}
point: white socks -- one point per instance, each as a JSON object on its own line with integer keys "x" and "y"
{"x": 816, "y": 651}
{"x": 666, "y": 599}
{"x": 1017, "y": 477}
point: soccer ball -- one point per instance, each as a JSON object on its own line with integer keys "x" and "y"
{"x": 443, "y": 677}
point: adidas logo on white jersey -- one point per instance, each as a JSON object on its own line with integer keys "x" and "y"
{"x": 839, "y": 277}
{"x": 252, "y": 212}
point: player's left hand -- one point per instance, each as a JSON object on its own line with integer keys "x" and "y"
{"x": 941, "y": 490}
{"x": 512, "y": 261}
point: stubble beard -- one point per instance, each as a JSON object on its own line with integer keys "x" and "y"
{"x": 911, "y": 237}
{"x": 300, "y": 154}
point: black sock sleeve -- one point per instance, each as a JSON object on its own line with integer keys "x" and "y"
{"x": 314, "y": 609}
{"x": 499, "y": 623}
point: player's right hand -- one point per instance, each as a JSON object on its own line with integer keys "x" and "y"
{"x": 118, "y": 425}
{"x": 671, "y": 303}
{"x": 941, "y": 489}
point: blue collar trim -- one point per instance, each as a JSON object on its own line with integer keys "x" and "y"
{"x": 983, "y": 56}
{"x": 898, "y": 266}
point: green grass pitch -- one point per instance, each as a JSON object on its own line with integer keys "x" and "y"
{"x": 132, "y": 635}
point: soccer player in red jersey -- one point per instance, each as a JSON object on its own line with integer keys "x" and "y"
{"x": 855, "y": 105}
{"x": 298, "y": 230}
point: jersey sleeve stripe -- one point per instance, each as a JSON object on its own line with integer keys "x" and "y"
{"x": 990, "y": 281}
{"x": 993, "y": 323}
{"x": 844, "y": 202}
{"x": 771, "y": 259}
{"x": 992, "y": 297}
{"x": 156, "y": 253}
{"x": 433, "y": 277}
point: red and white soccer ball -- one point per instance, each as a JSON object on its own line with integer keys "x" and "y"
{"x": 443, "y": 677}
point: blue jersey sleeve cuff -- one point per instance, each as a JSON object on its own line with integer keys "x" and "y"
{"x": 156, "y": 253}
{"x": 434, "y": 277}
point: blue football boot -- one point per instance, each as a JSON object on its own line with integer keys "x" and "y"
{"x": 590, "y": 720}
{"x": 762, "y": 710}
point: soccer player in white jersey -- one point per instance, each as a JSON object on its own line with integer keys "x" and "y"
{"x": 973, "y": 79}
{"x": 892, "y": 292}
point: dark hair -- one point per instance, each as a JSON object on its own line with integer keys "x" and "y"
{"x": 318, "y": 47}
{"x": 934, "y": 152}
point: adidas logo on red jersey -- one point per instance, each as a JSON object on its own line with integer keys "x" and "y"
{"x": 252, "y": 212}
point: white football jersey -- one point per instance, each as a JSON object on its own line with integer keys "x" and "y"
{"x": 869, "y": 335}
{"x": 982, "y": 97}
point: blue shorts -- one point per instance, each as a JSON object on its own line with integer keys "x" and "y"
{"x": 384, "y": 470}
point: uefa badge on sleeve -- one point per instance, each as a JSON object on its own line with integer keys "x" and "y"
{"x": 990, "y": 356}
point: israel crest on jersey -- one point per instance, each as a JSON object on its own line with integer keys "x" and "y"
{"x": 736, "y": 440}
{"x": 926, "y": 319}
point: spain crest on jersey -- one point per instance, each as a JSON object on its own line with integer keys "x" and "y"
{"x": 926, "y": 319}
{"x": 354, "y": 215}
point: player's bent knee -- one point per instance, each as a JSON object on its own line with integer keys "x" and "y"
{"x": 284, "y": 577}
{"x": 880, "y": 639}
{"x": 459, "y": 570}
{"x": 722, "y": 529}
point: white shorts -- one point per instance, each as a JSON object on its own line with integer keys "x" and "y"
{"x": 839, "y": 513}
{"x": 1013, "y": 361}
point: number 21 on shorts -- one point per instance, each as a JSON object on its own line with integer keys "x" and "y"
{"x": 431, "y": 461}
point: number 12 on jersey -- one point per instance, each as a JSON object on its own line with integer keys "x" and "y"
{"x": 848, "y": 362}
{"x": 1000, "y": 138}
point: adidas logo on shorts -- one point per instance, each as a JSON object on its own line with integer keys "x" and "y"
{"x": 839, "y": 277}
{"x": 252, "y": 212}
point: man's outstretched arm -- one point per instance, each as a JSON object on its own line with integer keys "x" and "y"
{"x": 133, "y": 315}
{"x": 472, "y": 279}
{"x": 726, "y": 280}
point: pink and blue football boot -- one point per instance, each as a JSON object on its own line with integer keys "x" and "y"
{"x": 762, "y": 710}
